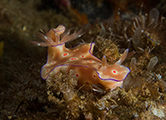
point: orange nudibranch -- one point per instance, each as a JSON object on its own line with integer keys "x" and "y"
{"x": 88, "y": 68}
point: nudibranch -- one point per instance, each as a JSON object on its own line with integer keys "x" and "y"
{"x": 88, "y": 68}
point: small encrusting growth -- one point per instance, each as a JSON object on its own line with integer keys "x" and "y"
{"x": 64, "y": 82}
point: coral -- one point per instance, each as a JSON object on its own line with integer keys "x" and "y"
{"x": 153, "y": 61}
{"x": 139, "y": 28}
{"x": 142, "y": 31}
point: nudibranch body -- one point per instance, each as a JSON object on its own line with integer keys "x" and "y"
{"x": 88, "y": 68}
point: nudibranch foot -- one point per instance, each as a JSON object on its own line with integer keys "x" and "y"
{"x": 88, "y": 68}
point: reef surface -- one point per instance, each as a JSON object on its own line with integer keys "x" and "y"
{"x": 139, "y": 26}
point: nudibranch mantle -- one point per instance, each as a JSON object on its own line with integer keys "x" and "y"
{"x": 88, "y": 68}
